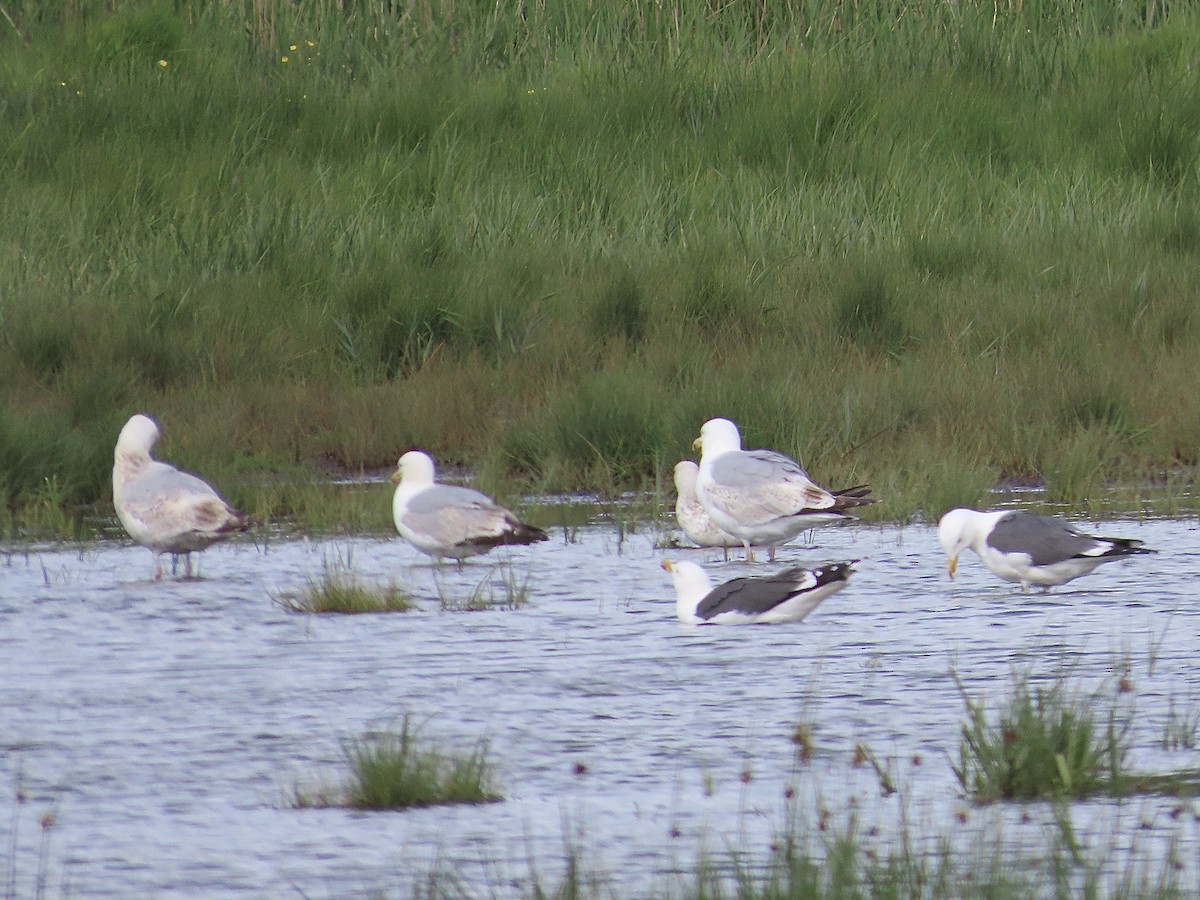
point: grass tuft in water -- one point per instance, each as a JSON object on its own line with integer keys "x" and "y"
{"x": 1046, "y": 743}
{"x": 396, "y": 770}
{"x": 339, "y": 590}
{"x": 501, "y": 588}
{"x": 1181, "y": 728}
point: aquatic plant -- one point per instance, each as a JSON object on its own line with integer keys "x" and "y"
{"x": 339, "y": 590}
{"x": 1181, "y": 728}
{"x": 1046, "y": 742}
{"x": 501, "y": 588}
{"x": 37, "y": 882}
{"x": 398, "y": 770}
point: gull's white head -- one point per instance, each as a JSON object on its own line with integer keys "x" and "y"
{"x": 956, "y": 532}
{"x": 692, "y": 585}
{"x": 718, "y": 436}
{"x": 686, "y": 472}
{"x": 138, "y": 437}
{"x": 414, "y": 470}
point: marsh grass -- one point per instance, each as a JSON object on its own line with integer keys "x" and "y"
{"x": 400, "y": 770}
{"x": 1046, "y": 742}
{"x": 1181, "y": 728}
{"x": 339, "y": 590}
{"x": 37, "y": 880}
{"x": 503, "y": 587}
{"x": 1051, "y": 742}
{"x": 554, "y": 240}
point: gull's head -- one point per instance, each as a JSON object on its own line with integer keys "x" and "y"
{"x": 718, "y": 436}
{"x": 138, "y": 437}
{"x": 687, "y": 573}
{"x": 414, "y": 469}
{"x": 692, "y": 584}
{"x": 956, "y": 532}
{"x": 685, "y": 478}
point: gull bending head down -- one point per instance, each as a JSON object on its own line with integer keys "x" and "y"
{"x": 161, "y": 507}
{"x": 1027, "y": 548}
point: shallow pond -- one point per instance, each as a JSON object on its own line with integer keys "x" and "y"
{"x": 166, "y": 725}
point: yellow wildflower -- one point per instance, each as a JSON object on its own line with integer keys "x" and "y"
{"x": 294, "y": 47}
{"x": 162, "y": 63}
{"x": 283, "y": 58}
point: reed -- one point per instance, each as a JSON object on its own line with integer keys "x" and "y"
{"x": 888, "y": 239}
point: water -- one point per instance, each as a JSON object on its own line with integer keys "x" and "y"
{"x": 165, "y": 725}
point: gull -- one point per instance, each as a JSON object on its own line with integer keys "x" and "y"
{"x": 161, "y": 507}
{"x": 787, "y": 596}
{"x": 761, "y": 497}
{"x": 690, "y": 514}
{"x": 1028, "y": 548}
{"x": 444, "y": 520}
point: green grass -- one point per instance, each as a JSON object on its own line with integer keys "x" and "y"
{"x": 339, "y": 590}
{"x": 501, "y": 588}
{"x": 897, "y": 242}
{"x": 1050, "y": 742}
{"x": 1045, "y": 743}
{"x": 400, "y": 770}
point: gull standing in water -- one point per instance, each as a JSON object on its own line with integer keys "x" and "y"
{"x": 1027, "y": 548}
{"x": 762, "y": 497}
{"x": 444, "y": 520}
{"x": 691, "y": 516}
{"x": 162, "y": 508}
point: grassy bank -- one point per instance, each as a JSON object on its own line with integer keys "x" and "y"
{"x": 932, "y": 247}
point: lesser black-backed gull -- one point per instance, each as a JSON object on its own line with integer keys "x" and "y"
{"x": 1028, "y": 548}
{"x": 787, "y": 596}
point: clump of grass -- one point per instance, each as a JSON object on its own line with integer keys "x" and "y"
{"x": 339, "y": 590}
{"x": 1046, "y": 742}
{"x": 396, "y": 770}
{"x": 1181, "y": 728}
{"x": 844, "y": 862}
{"x": 501, "y": 588}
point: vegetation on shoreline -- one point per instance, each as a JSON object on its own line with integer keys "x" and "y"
{"x": 933, "y": 247}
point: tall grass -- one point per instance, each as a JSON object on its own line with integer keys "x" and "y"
{"x": 551, "y": 239}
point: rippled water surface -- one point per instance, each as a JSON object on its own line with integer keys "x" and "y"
{"x": 165, "y": 725}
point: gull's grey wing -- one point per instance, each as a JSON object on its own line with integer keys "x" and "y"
{"x": 759, "y": 486}
{"x": 168, "y": 503}
{"x": 1045, "y": 539}
{"x": 450, "y": 515}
